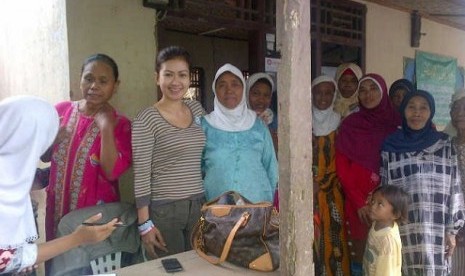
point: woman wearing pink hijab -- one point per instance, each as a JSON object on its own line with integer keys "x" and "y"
{"x": 358, "y": 147}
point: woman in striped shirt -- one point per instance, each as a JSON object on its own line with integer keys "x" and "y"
{"x": 167, "y": 143}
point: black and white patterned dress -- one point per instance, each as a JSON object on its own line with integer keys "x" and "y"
{"x": 436, "y": 206}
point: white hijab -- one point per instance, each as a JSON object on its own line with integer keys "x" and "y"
{"x": 238, "y": 119}
{"x": 254, "y": 78}
{"x": 344, "y": 106}
{"x": 268, "y": 114}
{"x": 324, "y": 121}
{"x": 28, "y": 126}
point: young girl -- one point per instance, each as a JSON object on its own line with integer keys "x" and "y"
{"x": 383, "y": 253}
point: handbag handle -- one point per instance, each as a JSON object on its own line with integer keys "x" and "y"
{"x": 227, "y": 245}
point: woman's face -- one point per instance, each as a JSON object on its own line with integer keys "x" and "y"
{"x": 323, "y": 94}
{"x": 229, "y": 90}
{"x": 457, "y": 114}
{"x": 98, "y": 82}
{"x": 347, "y": 85}
{"x": 397, "y": 97}
{"x": 260, "y": 97}
{"x": 369, "y": 94}
{"x": 174, "y": 79}
{"x": 417, "y": 112}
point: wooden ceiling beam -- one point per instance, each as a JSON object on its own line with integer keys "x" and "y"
{"x": 218, "y": 22}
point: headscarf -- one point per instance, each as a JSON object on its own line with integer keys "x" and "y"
{"x": 362, "y": 133}
{"x": 258, "y": 76}
{"x": 28, "y": 126}
{"x": 458, "y": 95}
{"x": 268, "y": 114}
{"x": 409, "y": 140}
{"x": 238, "y": 119}
{"x": 343, "y": 105}
{"x": 324, "y": 121}
{"x": 401, "y": 84}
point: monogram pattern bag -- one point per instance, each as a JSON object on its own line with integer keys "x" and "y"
{"x": 236, "y": 230}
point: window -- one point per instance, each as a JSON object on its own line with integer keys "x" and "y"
{"x": 195, "y": 91}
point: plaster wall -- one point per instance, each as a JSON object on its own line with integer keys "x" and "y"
{"x": 388, "y": 40}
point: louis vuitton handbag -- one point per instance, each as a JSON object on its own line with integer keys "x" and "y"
{"x": 236, "y": 230}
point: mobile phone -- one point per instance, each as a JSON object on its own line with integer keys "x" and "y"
{"x": 171, "y": 265}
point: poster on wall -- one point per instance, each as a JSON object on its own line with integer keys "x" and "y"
{"x": 437, "y": 75}
{"x": 271, "y": 64}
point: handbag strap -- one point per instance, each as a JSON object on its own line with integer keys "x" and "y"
{"x": 227, "y": 245}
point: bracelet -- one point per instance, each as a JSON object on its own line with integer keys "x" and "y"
{"x": 147, "y": 225}
{"x": 146, "y": 231}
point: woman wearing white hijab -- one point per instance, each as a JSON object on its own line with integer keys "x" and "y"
{"x": 260, "y": 88}
{"x": 259, "y": 93}
{"x": 347, "y": 77}
{"x": 239, "y": 153}
{"x": 331, "y": 246}
{"x": 29, "y": 126}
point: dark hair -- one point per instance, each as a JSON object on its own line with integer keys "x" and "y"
{"x": 405, "y": 84}
{"x": 105, "y": 59}
{"x": 172, "y": 52}
{"x": 398, "y": 198}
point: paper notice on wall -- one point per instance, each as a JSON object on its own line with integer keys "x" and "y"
{"x": 271, "y": 64}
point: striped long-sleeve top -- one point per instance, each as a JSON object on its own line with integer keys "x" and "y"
{"x": 166, "y": 158}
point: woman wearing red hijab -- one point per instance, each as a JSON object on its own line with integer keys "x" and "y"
{"x": 358, "y": 147}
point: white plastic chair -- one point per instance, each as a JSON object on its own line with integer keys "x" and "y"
{"x": 107, "y": 263}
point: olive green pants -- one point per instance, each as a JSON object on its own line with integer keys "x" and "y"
{"x": 175, "y": 221}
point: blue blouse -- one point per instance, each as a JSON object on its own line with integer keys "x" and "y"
{"x": 241, "y": 161}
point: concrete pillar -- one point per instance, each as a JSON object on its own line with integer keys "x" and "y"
{"x": 34, "y": 49}
{"x": 295, "y": 143}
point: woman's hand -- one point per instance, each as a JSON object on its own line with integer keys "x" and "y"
{"x": 105, "y": 117}
{"x": 152, "y": 240}
{"x": 364, "y": 215}
{"x": 97, "y": 233}
{"x": 450, "y": 245}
